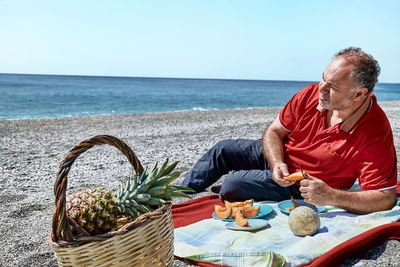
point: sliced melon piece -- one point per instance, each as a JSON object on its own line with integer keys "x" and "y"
{"x": 234, "y": 211}
{"x": 294, "y": 203}
{"x": 240, "y": 220}
{"x": 250, "y": 212}
{"x": 227, "y": 203}
{"x": 246, "y": 203}
{"x": 294, "y": 176}
{"x": 222, "y": 212}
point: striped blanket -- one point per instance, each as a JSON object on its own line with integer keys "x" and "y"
{"x": 209, "y": 240}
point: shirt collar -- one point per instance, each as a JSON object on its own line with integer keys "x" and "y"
{"x": 349, "y": 123}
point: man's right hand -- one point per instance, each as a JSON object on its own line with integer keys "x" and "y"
{"x": 279, "y": 171}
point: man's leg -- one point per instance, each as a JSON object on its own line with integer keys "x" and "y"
{"x": 223, "y": 157}
{"x": 257, "y": 185}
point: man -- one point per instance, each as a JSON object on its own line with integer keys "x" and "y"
{"x": 334, "y": 130}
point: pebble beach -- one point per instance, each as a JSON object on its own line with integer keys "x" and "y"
{"x": 31, "y": 151}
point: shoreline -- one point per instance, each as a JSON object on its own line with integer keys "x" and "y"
{"x": 32, "y": 149}
{"x": 382, "y": 103}
{"x": 148, "y": 113}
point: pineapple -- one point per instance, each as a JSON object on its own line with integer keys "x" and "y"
{"x": 99, "y": 210}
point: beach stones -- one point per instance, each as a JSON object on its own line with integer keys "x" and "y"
{"x": 303, "y": 221}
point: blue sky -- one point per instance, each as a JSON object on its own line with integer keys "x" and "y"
{"x": 268, "y": 40}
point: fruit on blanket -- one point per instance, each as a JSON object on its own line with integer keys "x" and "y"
{"x": 250, "y": 212}
{"x": 304, "y": 221}
{"x": 240, "y": 220}
{"x": 234, "y": 211}
{"x": 246, "y": 203}
{"x": 238, "y": 206}
{"x": 222, "y": 212}
{"x": 100, "y": 210}
{"x": 295, "y": 204}
{"x": 294, "y": 176}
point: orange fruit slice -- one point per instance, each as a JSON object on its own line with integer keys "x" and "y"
{"x": 294, "y": 176}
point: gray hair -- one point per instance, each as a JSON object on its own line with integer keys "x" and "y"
{"x": 366, "y": 69}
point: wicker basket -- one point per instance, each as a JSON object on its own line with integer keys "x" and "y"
{"x": 146, "y": 241}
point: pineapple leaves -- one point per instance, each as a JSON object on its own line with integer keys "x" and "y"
{"x": 146, "y": 191}
{"x": 176, "y": 194}
{"x": 157, "y": 190}
{"x": 162, "y": 168}
{"x": 167, "y": 179}
{"x": 156, "y": 201}
{"x": 143, "y": 198}
{"x": 169, "y": 169}
{"x": 183, "y": 188}
{"x": 140, "y": 178}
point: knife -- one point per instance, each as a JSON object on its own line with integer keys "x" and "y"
{"x": 301, "y": 169}
{"x": 305, "y": 177}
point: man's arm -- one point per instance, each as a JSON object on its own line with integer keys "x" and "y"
{"x": 272, "y": 146}
{"x": 317, "y": 192}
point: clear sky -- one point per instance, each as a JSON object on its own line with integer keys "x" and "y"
{"x": 268, "y": 40}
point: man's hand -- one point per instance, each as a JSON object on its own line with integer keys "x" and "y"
{"x": 272, "y": 145}
{"x": 315, "y": 191}
{"x": 280, "y": 170}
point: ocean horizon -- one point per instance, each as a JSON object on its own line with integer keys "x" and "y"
{"x": 33, "y": 96}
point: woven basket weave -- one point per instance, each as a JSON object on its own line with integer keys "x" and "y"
{"x": 146, "y": 241}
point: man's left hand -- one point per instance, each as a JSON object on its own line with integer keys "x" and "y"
{"x": 315, "y": 191}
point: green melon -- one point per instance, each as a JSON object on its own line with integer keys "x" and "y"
{"x": 304, "y": 221}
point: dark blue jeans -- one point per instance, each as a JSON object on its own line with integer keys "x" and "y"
{"x": 249, "y": 175}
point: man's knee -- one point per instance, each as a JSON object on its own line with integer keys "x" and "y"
{"x": 228, "y": 149}
{"x": 231, "y": 188}
{"x": 223, "y": 145}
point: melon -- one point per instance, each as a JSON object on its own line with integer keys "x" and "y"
{"x": 294, "y": 176}
{"x": 246, "y": 203}
{"x": 222, "y": 212}
{"x": 240, "y": 220}
{"x": 250, "y": 212}
{"x": 238, "y": 205}
{"x": 234, "y": 211}
{"x": 294, "y": 203}
{"x": 304, "y": 221}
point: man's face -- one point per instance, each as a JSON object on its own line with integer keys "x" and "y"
{"x": 335, "y": 87}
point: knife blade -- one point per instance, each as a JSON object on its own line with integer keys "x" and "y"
{"x": 301, "y": 169}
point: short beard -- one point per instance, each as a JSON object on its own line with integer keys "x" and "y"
{"x": 339, "y": 105}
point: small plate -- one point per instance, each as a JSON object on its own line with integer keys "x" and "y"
{"x": 264, "y": 210}
{"x": 254, "y": 224}
{"x": 288, "y": 204}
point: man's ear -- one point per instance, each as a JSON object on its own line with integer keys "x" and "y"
{"x": 361, "y": 93}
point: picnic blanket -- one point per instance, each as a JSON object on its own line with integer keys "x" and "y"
{"x": 205, "y": 241}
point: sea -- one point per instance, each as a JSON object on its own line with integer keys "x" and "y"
{"x": 25, "y": 96}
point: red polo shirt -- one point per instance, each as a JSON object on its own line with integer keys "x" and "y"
{"x": 360, "y": 147}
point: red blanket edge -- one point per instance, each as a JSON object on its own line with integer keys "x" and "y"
{"x": 358, "y": 244}
{"x": 334, "y": 257}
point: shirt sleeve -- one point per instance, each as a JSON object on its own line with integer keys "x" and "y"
{"x": 291, "y": 112}
{"x": 378, "y": 164}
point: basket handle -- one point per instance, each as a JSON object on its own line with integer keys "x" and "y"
{"x": 61, "y": 225}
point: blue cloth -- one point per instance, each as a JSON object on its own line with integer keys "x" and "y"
{"x": 249, "y": 175}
